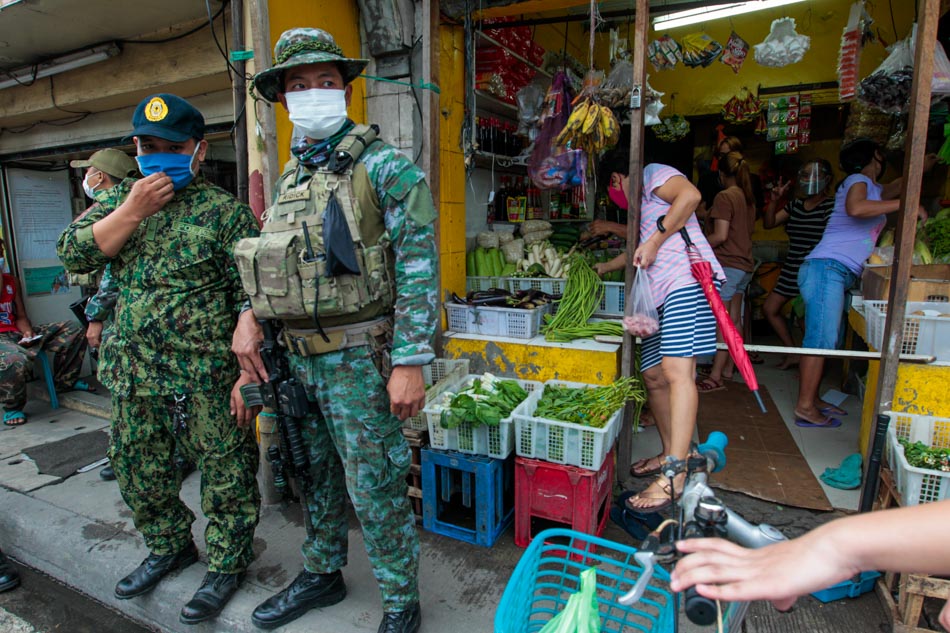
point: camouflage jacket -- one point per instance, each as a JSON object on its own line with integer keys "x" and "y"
{"x": 100, "y": 305}
{"x": 178, "y": 291}
{"x": 409, "y": 215}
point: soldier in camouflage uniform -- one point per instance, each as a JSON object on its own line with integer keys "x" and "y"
{"x": 168, "y": 237}
{"x": 19, "y": 348}
{"x": 362, "y": 381}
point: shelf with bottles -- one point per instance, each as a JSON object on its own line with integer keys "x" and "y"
{"x": 497, "y": 139}
{"x": 518, "y": 199}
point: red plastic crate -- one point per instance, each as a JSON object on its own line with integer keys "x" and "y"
{"x": 573, "y": 497}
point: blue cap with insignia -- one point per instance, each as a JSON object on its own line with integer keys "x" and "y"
{"x": 169, "y": 117}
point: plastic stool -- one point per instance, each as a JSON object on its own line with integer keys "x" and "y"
{"x": 466, "y": 497}
{"x": 48, "y": 377}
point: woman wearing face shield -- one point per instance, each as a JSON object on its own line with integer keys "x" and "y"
{"x": 804, "y": 218}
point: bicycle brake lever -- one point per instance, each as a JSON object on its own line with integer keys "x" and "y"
{"x": 645, "y": 560}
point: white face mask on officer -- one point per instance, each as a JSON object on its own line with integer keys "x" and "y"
{"x": 318, "y": 112}
{"x": 89, "y": 189}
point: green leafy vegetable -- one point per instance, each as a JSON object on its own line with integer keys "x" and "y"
{"x": 919, "y": 455}
{"x": 588, "y": 406}
{"x": 488, "y": 401}
{"x": 938, "y": 234}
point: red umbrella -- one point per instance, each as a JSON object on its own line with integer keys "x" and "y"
{"x": 703, "y": 272}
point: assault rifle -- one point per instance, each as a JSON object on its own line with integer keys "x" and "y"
{"x": 287, "y": 398}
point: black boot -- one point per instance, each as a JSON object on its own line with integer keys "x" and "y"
{"x": 153, "y": 569}
{"x": 308, "y": 590}
{"x": 406, "y": 621}
{"x": 107, "y": 473}
{"x": 9, "y": 576}
{"x": 215, "y": 591}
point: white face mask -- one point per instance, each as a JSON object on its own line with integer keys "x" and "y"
{"x": 318, "y": 113}
{"x": 90, "y": 190}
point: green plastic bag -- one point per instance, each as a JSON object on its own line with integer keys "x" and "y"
{"x": 580, "y": 615}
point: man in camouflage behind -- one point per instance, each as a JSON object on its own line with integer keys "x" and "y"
{"x": 21, "y": 342}
{"x": 169, "y": 238}
{"x": 366, "y": 375}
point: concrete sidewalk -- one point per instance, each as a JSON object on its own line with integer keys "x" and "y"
{"x": 79, "y": 531}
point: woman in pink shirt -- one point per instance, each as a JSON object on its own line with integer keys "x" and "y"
{"x": 687, "y": 325}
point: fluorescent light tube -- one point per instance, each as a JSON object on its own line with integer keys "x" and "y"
{"x": 58, "y": 65}
{"x": 695, "y": 16}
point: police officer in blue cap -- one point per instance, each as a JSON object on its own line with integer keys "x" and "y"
{"x": 169, "y": 238}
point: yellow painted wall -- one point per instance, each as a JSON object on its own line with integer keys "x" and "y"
{"x": 537, "y": 362}
{"x": 344, "y": 26}
{"x": 451, "y": 160}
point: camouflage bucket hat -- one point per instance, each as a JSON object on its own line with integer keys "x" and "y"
{"x": 298, "y": 47}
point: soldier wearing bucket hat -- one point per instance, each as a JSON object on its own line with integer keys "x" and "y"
{"x": 363, "y": 347}
{"x": 168, "y": 238}
{"x": 110, "y": 166}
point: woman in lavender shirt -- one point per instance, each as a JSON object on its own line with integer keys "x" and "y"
{"x": 835, "y": 265}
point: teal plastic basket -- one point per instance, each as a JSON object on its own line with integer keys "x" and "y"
{"x": 549, "y": 572}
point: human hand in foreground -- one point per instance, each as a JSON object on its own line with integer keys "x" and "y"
{"x": 94, "y": 334}
{"x": 150, "y": 194}
{"x": 246, "y": 345}
{"x": 645, "y": 254}
{"x": 721, "y": 570}
{"x": 407, "y": 391}
{"x": 243, "y": 414}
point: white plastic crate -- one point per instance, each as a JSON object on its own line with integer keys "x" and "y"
{"x": 549, "y": 285}
{"x": 917, "y": 485}
{"x": 511, "y": 322}
{"x": 612, "y": 303}
{"x": 927, "y": 335}
{"x": 477, "y": 284}
{"x": 562, "y": 442}
{"x": 438, "y": 376}
{"x": 494, "y": 441}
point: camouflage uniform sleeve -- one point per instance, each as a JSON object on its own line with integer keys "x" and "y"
{"x": 240, "y": 224}
{"x": 410, "y": 222}
{"x": 77, "y": 247}
{"x": 101, "y": 305}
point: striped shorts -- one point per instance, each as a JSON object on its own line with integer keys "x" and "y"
{"x": 687, "y": 328}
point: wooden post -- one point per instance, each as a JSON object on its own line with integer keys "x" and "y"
{"x": 910, "y": 200}
{"x": 239, "y": 96}
{"x": 263, "y": 111}
{"x": 629, "y": 350}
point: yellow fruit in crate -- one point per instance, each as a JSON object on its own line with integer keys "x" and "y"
{"x": 875, "y": 259}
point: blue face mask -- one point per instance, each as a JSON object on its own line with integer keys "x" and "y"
{"x": 178, "y": 167}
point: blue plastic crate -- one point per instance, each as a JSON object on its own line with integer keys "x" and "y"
{"x": 467, "y": 497}
{"x": 849, "y": 588}
{"x": 549, "y": 572}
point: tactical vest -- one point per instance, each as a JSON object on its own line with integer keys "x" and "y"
{"x": 286, "y": 277}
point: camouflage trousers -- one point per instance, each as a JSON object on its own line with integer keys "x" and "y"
{"x": 356, "y": 446}
{"x": 67, "y": 342}
{"x": 145, "y": 431}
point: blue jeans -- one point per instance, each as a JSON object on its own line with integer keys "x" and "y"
{"x": 824, "y": 284}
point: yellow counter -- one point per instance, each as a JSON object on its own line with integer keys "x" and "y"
{"x": 584, "y": 360}
{"x": 920, "y": 389}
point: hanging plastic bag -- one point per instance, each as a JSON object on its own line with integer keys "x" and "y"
{"x": 651, "y": 113}
{"x": 580, "y": 614}
{"x": 615, "y": 91}
{"x": 888, "y": 87}
{"x": 941, "y": 81}
{"x": 557, "y": 109}
{"x": 782, "y": 46}
{"x": 644, "y": 320}
{"x": 530, "y": 101}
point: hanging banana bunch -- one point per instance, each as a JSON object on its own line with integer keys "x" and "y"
{"x": 590, "y": 127}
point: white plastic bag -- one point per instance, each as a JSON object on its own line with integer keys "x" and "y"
{"x": 644, "y": 320}
{"x": 782, "y": 46}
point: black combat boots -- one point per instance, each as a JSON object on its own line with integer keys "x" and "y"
{"x": 215, "y": 591}
{"x": 307, "y": 591}
{"x": 407, "y": 621}
{"x": 153, "y": 569}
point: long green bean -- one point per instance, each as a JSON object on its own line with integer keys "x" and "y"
{"x": 582, "y": 295}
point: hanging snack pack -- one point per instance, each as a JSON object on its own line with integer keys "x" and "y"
{"x": 737, "y": 49}
{"x": 699, "y": 50}
{"x": 888, "y": 87}
{"x": 849, "y": 55}
{"x": 782, "y": 46}
{"x": 742, "y": 108}
{"x": 664, "y": 53}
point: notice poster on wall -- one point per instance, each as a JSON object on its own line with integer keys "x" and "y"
{"x": 41, "y": 210}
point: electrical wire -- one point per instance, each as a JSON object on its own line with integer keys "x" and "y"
{"x": 180, "y": 35}
{"x": 890, "y": 5}
{"x": 17, "y": 79}
{"x": 223, "y": 51}
{"x": 415, "y": 97}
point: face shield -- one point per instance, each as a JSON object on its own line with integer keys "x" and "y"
{"x": 813, "y": 179}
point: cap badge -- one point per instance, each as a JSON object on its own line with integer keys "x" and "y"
{"x": 156, "y": 109}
